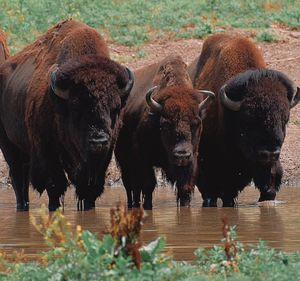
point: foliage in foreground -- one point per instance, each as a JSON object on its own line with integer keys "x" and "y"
{"x": 133, "y": 22}
{"x": 79, "y": 255}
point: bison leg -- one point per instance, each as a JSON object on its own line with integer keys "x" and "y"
{"x": 129, "y": 198}
{"x": 136, "y": 198}
{"x": 54, "y": 197}
{"x": 148, "y": 186}
{"x": 268, "y": 180}
{"x": 20, "y": 180}
{"x": 228, "y": 201}
{"x": 126, "y": 178}
{"x": 209, "y": 202}
{"x": 57, "y": 188}
{"x": 18, "y": 170}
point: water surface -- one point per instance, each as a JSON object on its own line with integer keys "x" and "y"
{"x": 184, "y": 228}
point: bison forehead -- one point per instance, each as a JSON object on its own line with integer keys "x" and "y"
{"x": 178, "y": 99}
{"x": 95, "y": 72}
{"x": 265, "y": 111}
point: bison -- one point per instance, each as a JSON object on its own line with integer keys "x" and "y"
{"x": 246, "y": 124}
{"x": 4, "y": 51}
{"x": 162, "y": 124}
{"x": 60, "y": 101}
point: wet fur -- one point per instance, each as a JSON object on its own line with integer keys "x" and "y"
{"x": 140, "y": 146}
{"x": 40, "y": 143}
{"x": 228, "y": 148}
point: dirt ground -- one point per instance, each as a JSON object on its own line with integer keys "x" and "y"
{"x": 283, "y": 56}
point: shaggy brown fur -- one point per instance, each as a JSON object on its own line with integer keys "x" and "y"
{"x": 53, "y": 134}
{"x": 151, "y": 139}
{"x": 4, "y": 51}
{"x": 243, "y": 145}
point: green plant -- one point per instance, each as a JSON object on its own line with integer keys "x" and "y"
{"x": 266, "y": 36}
{"x": 80, "y": 255}
{"x": 134, "y": 22}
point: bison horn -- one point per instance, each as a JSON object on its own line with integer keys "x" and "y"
{"x": 227, "y": 102}
{"x": 296, "y": 97}
{"x": 129, "y": 84}
{"x": 206, "y": 102}
{"x": 154, "y": 105}
{"x": 63, "y": 94}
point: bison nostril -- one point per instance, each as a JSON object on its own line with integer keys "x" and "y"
{"x": 275, "y": 154}
{"x": 100, "y": 138}
{"x": 182, "y": 154}
{"x": 267, "y": 155}
{"x": 263, "y": 154}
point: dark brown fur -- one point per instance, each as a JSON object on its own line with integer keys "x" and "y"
{"x": 148, "y": 139}
{"x": 233, "y": 140}
{"x": 50, "y": 135}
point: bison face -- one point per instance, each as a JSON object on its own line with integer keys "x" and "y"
{"x": 256, "y": 115}
{"x": 88, "y": 95}
{"x": 180, "y": 111}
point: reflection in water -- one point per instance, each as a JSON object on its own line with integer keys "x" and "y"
{"x": 184, "y": 228}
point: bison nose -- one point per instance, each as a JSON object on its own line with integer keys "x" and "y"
{"x": 269, "y": 155}
{"x": 182, "y": 154}
{"x": 181, "y": 157}
{"x": 100, "y": 138}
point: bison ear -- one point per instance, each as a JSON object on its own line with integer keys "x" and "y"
{"x": 59, "y": 83}
{"x": 296, "y": 98}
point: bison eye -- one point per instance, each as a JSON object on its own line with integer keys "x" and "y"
{"x": 74, "y": 101}
{"x": 196, "y": 122}
{"x": 165, "y": 125}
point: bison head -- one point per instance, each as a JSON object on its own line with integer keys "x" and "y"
{"x": 88, "y": 95}
{"x": 180, "y": 111}
{"x": 258, "y": 104}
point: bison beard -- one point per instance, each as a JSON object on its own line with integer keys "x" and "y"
{"x": 182, "y": 176}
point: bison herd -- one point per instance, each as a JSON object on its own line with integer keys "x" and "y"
{"x": 218, "y": 123}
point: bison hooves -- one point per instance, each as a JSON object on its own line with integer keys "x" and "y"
{"x": 185, "y": 203}
{"x": 228, "y": 203}
{"x": 147, "y": 205}
{"x": 209, "y": 202}
{"x": 267, "y": 195}
{"x": 53, "y": 207}
{"x": 85, "y": 205}
{"x": 21, "y": 207}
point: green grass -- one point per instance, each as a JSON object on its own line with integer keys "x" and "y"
{"x": 297, "y": 122}
{"x": 134, "y": 22}
{"x": 79, "y": 255}
{"x": 267, "y": 36}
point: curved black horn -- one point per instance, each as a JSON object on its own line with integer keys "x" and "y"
{"x": 296, "y": 97}
{"x": 210, "y": 95}
{"x": 63, "y": 94}
{"x": 129, "y": 84}
{"x": 154, "y": 105}
{"x": 227, "y": 102}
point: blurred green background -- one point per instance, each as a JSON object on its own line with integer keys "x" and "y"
{"x": 134, "y": 22}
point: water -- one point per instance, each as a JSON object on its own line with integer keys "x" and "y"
{"x": 184, "y": 228}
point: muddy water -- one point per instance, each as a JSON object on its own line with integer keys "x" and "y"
{"x": 185, "y": 229}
